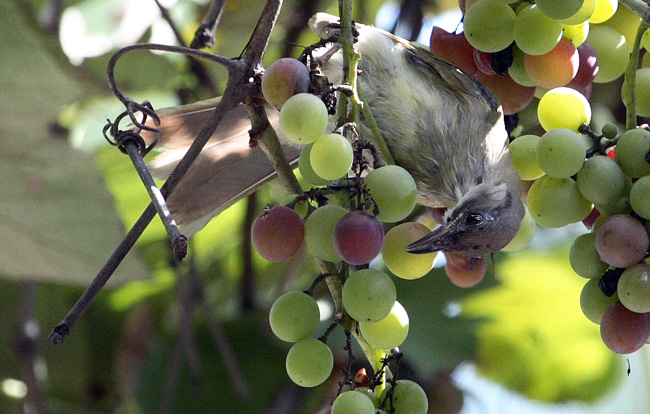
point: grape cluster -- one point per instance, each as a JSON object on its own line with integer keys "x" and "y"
{"x": 353, "y": 234}
{"x": 556, "y": 50}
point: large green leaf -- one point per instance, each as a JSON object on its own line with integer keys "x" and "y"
{"x": 57, "y": 221}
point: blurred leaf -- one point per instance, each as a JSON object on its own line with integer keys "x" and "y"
{"x": 537, "y": 341}
{"x": 56, "y": 219}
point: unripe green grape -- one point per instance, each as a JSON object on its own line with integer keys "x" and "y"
{"x": 604, "y": 10}
{"x": 560, "y": 153}
{"x": 303, "y": 118}
{"x": 640, "y": 197}
{"x": 609, "y": 130}
{"x": 642, "y": 91}
{"x": 489, "y": 25}
{"x": 535, "y": 33}
{"x": 394, "y": 191}
{"x": 524, "y": 235}
{"x": 619, "y": 206}
{"x": 331, "y": 156}
{"x": 601, "y": 180}
{"x": 309, "y": 362}
{"x": 408, "y": 398}
{"x": 319, "y": 231}
{"x": 300, "y": 208}
{"x": 556, "y": 202}
{"x": 626, "y": 22}
{"x": 400, "y": 262}
{"x": 284, "y": 78}
{"x": 388, "y": 333}
{"x": 624, "y": 331}
{"x": 584, "y": 258}
{"x": 634, "y": 288}
{"x": 593, "y": 301}
{"x": 631, "y": 151}
{"x": 563, "y": 108}
{"x": 559, "y": 9}
{"x": 294, "y": 316}
{"x": 517, "y": 70}
{"x": 585, "y": 12}
{"x": 612, "y": 51}
{"x": 352, "y": 402}
{"x": 524, "y": 157}
{"x": 307, "y": 172}
{"x": 528, "y": 115}
{"x": 576, "y": 33}
{"x": 368, "y": 295}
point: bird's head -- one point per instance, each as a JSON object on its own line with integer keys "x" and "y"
{"x": 484, "y": 221}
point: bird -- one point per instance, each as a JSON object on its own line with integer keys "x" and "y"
{"x": 439, "y": 123}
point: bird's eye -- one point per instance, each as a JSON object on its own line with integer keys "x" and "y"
{"x": 474, "y": 219}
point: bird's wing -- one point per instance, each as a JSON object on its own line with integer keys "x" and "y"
{"x": 226, "y": 170}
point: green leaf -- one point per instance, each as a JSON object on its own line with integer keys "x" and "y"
{"x": 57, "y": 221}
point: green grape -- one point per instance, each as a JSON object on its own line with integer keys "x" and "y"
{"x": 585, "y": 12}
{"x": 640, "y": 197}
{"x": 634, "y": 288}
{"x": 309, "y": 362}
{"x": 626, "y": 22}
{"x": 563, "y": 108}
{"x": 368, "y": 295}
{"x": 524, "y": 157}
{"x": 303, "y": 118}
{"x": 331, "y": 156}
{"x": 556, "y": 202}
{"x": 612, "y": 51}
{"x": 352, "y": 402}
{"x": 642, "y": 91}
{"x": 524, "y": 236}
{"x": 319, "y": 231}
{"x": 645, "y": 40}
{"x": 601, "y": 180}
{"x": 517, "y": 70}
{"x": 394, "y": 191}
{"x": 408, "y": 398}
{"x": 620, "y": 206}
{"x": 576, "y": 33}
{"x": 559, "y": 9}
{"x": 604, "y": 10}
{"x": 535, "y": 33}
{"x": 307, "y": 172}
{"x": 300, "y": 208}
{"x": 294, "y": 316}
{"x": 489, "y": 25}
{"x": 400, "y": 262}
{"x": 584, "y": 258}
{"x": 609, "y": 130}
{"x": 389, "y": 332}
{"x": 631, "y": 151}
{"x": 528, "y": 115}
{"x": 593, "y": 301}
{"x": 560, "y": 153}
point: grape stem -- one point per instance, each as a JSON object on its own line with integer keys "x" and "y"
{"x": 629, "y": 95}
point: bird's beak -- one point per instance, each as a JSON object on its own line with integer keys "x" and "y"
{"x": 435, "y": 241}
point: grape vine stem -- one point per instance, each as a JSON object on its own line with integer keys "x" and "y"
{"x": 639, "y": 7}
{"x": 629, "y": 95}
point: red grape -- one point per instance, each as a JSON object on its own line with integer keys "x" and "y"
{"x": 453, "y": 47}
{"x": 278, "y": 233}
{"x": 512, "y": 96}
{"x": 622, "y": 241}
{"x": 624, "y": 331}
{"x": 464, "y": 271}
{"x": 555, "y": 68}
{"x": 283, "y": 79}
{"x": 358, "y": 237}
{"x": 587, "y": 68}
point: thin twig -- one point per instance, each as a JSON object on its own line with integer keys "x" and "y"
{"x": 240, "y": 71}
{"x": 205, "y": 34}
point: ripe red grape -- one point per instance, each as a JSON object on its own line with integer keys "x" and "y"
{"x": 453, "y": 47}
{"x": 278, "y": 233}
{"x": 283, "y": 79}
{"x": 358, "y": 237}
{"x": 464, "y": 271}
{"x": 622, "y": 241}
{"x": 624, "y": 331}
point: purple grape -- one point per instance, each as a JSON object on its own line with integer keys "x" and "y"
{"x": 358, "y": 237}
{"x": 278, "y": 233}
{"x": 622, "y": 241}
{"x": 624, "y": 331}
